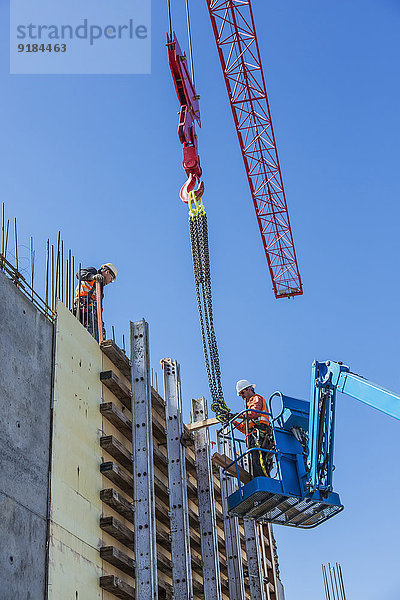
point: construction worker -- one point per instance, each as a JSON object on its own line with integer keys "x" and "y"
{"x": 85, "y": 301}
{"x": 256, "y": 427}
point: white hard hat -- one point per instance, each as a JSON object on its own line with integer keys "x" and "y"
{"x": 242, "y": 384}
{"x": 111, "y": 268}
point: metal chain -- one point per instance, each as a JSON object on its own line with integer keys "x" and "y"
{"x": 197, "y": 277}
{"x": 202, "y": 276}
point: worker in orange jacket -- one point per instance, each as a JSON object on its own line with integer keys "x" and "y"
{"x": 85, "y": 300}
{"x": 256, "y": 427}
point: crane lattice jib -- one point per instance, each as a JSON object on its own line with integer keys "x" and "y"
{"x": 235, "y": 34}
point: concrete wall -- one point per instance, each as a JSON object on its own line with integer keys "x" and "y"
{"x": 26, "y": 339}
{"x": 75, "y": 564}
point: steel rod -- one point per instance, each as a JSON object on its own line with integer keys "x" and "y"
{"x": 62, "y": 272}
{"x": 169, "y": 19}
{"x": 331, "y": 579}
{"x": 69, "y": 279}
{"x": 66, "y": 283}
{"x": 73, "y": 281}
{"x": 53, "y": 300}
{"x": 340, "y": 574}
{"x": 6, "y": 241}
{"x": 32, "y": 266}
{"x": 47, "y": 274}
{"x": 190, "y": 41}
{"x": 2, "y": 228}
{"x": 16, "y": 245}
{"x": 325, "y": 582}
{"x": 336, "y": 584}
{"x": 78, "y": 308}
{"x": 57, "y": 268}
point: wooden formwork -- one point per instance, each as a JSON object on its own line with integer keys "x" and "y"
{"x": 116, "y": 521}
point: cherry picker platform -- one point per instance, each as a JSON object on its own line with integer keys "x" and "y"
{"x": 299, "y": 492}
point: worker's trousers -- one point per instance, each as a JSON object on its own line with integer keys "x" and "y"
{"x": 262, "y": 462}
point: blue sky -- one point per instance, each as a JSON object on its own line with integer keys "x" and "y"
{"x": 98, "y": 157}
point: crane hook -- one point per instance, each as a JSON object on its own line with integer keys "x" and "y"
{"x": 189, "y": 186}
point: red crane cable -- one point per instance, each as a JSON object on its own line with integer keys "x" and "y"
{"x": 235, "y": 34}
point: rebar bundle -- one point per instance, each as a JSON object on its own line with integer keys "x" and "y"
{"x": 333, "y": 582}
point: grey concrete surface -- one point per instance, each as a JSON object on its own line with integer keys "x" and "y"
{"x": 22, "y": 552}
{"x": 26, "y": 339}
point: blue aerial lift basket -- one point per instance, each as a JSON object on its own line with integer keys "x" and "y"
{"x": 261, "y": 499}
{"x": 286, "y": 498}
{"x": 300, "y": 491}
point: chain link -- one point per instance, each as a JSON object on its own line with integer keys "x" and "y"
{"x": 202, "y": 277}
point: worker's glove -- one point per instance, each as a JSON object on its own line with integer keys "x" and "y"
{"x": 99, "y": 277}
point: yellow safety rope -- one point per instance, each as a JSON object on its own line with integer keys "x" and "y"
{"x": 262, "y": 460}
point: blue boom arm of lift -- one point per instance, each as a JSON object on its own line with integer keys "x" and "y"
{"x": 300, "y": 492}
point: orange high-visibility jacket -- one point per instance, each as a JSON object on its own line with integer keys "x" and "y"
{"x": 85, "y": 288}
{"x": 256, "y": 402}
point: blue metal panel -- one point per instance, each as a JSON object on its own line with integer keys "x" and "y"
{"x": 257, "y": 484}
{"x": 295, "y": 413}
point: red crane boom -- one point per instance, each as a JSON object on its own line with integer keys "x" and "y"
{"x": 235, "y": 34}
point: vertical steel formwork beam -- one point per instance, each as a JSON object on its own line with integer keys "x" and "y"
{"x": 207, "y": 517}
{"x": 143, "y": 469}
{"x": 264, "y": 559}
{"x": 254, "y": 566}
{"x": 178, "y": 502}
{"x": 231, "y": 529}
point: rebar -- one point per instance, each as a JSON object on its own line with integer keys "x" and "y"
{"x": 32, "y": 265}
{"x": 6, "y": 241}
{"x": 53, "y": 287}
{"x": 69, "y": 279}
{"x": 336, "y": 585}
{"x": 47, "y": 273}
{"x": 326, "y": 586}
{"x": 2, "y": 228}
{"x": 56, "y": 287}
{"x": 340, "y": 575}
{"x": 78, "y": 308}
{"x": 62, "y": 272}
{"x": 333, "y": 585}
{"x": 66, "y": 283}
{"x": 73, "y": 280}
{"x": 16, "y": 246}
